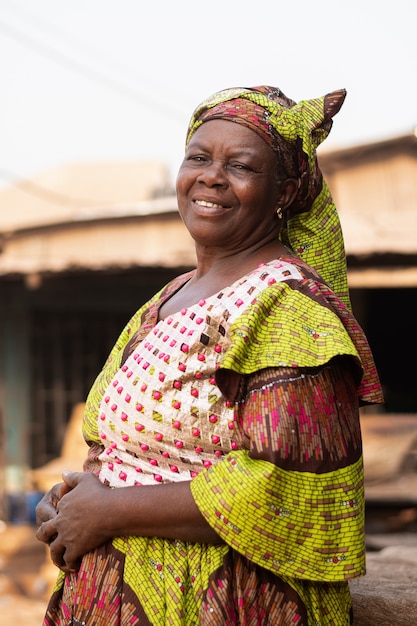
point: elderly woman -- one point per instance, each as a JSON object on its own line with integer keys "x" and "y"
{"x": 224, "y": 480}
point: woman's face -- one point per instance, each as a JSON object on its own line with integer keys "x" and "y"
{"x": 227, "y": 187}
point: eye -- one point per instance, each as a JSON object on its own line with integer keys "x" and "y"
{"x": 197, "y": 158}
{"x": 238, "y": 166}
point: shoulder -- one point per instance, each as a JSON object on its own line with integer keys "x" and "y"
{"x": 294, "y": 323}
{"x": 293, "y": 320}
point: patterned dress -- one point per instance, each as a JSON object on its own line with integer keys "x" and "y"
{"x": 252, "y": 395}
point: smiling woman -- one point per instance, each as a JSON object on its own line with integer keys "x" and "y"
{"x": 228, "y": 196}
{"x": 224, "y": 480}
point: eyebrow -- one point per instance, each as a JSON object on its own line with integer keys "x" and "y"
{"x": 238, "y": 150}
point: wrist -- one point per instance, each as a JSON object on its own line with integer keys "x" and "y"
{"x": 118, "y": 510}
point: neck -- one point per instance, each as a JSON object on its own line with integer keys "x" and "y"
{"x": 231, "y": 264}
{"x": 216, "y": 269}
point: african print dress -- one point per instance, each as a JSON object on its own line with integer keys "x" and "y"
{"x": 252, "y": 395}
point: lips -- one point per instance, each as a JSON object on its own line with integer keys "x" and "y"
{"x": 209, "y": 205}
{"x": 208, "y": 208}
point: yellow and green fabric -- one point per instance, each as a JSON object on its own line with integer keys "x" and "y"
{"x": 265, "y": 393}
{"x": 286, "y": 493}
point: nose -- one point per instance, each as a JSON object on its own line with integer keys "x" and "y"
{"x": 213, "y": 174}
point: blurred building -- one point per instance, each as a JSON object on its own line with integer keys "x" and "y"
{"x": 375, "y": 189}
{"x": 83, "y": 246}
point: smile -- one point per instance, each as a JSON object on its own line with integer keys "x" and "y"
{"x": 209, "y": 205}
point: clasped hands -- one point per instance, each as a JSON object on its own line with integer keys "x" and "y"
{"x": 70, "y": 518}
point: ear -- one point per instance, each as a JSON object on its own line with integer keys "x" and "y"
{"x": 288, "y": 192}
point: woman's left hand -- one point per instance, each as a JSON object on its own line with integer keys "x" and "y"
{"x": 78, "y": 526}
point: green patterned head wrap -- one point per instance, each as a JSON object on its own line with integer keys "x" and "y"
{"x": 294, "y": 131}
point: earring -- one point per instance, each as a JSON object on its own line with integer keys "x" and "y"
{"x": 279, "y": 213}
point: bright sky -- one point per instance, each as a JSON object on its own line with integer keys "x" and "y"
{"x": 100, "y": 80}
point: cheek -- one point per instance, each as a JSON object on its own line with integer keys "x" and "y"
{"x": 183, "y": 183}
{"x": 257, "y": 200}
{"x": 178, "y": 182}
{"x": 182, "y": 187}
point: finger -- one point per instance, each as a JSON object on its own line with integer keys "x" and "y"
{"x": 57, "y": 552}
{"x": 71, "y": 479}
{"x": 44, "y": 512}
{"x": 56, "y": 494}
{"x": 46, "y": 508}
{"x": 46, "y": 532}
{"x": 62, "y": 559}
{"x": 65, "y": 488}
{"x": 72, "y": 564}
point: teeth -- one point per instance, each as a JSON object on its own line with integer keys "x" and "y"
{"x": 210, "y": 205}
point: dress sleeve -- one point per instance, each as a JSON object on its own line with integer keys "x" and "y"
{"x": 298, "y": 324}
{"x": 291, "y": 499}
{"x": 302, "y": 419}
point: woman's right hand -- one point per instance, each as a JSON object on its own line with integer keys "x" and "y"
{"x": 46, "y": 509}
{"x": 72, "y": 518}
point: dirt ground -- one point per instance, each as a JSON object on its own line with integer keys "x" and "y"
{"x": 26, "y": 576}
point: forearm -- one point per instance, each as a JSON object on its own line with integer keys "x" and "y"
{"x": 90, "y": 514}
{"x": 167, "y": 510}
